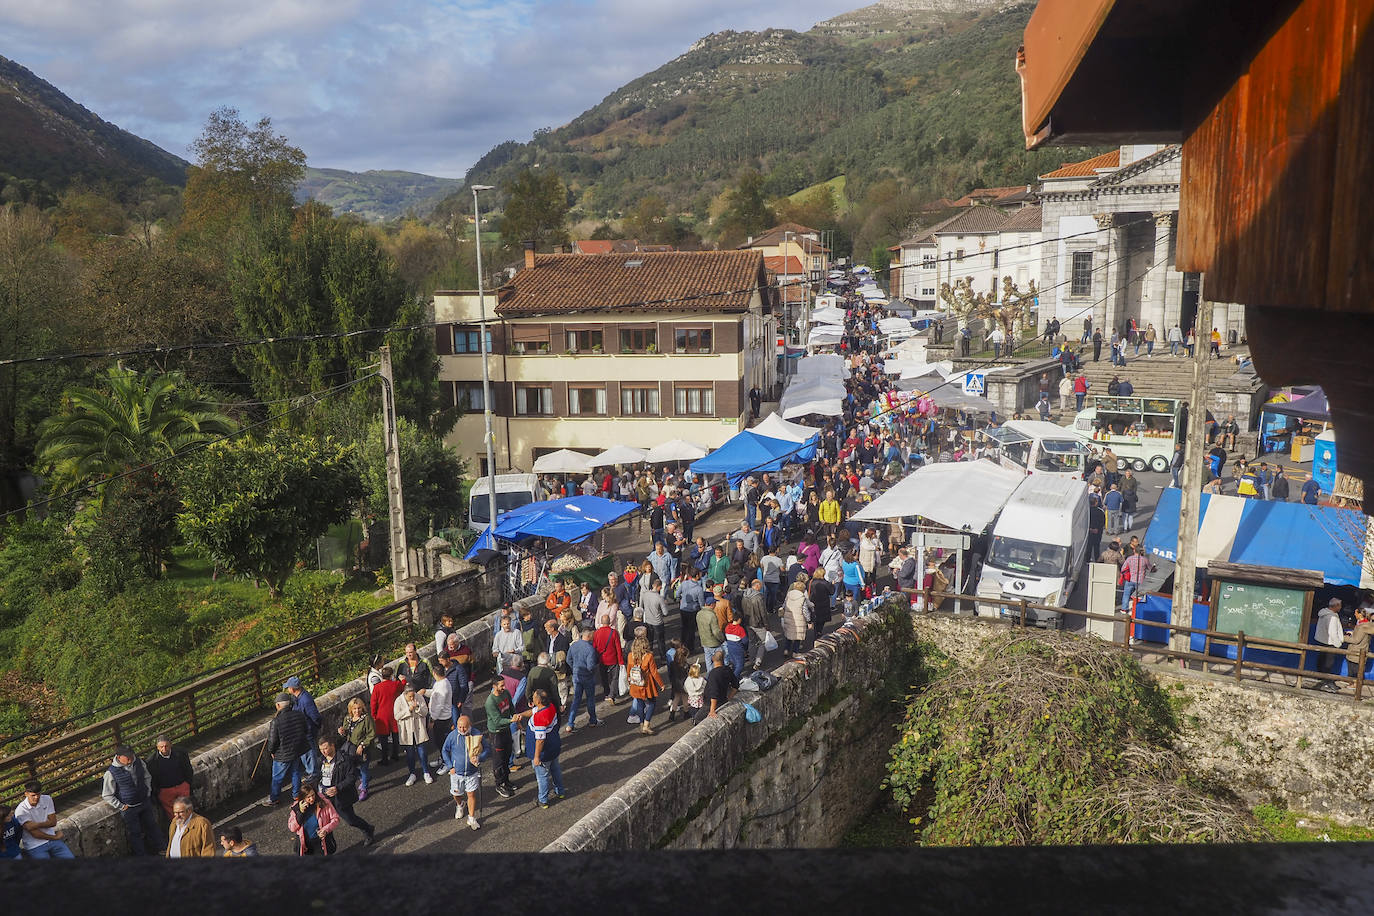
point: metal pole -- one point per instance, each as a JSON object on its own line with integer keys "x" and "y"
{"x": 400, "y": 548}
{"x": 1190, "y": 484}
{"x": 486, "y": 374}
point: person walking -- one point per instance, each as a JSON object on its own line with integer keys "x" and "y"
{"x": 339, "y": 784}
{"x": 1176, "y": 465}
{"x": 641, "y": 671}
{"x": 1151, "y": 335}
{"x": 189, "y": 835}
{"x": 1097, "y": 345}
{"x": 651, "y": 603}
{"x": 358, "y": 731}
{"x": 303, "y": 701}
{"x": 412, "y": 732}
{"x": 584, "y": 661}
{"x": 287, "y": 744}
{"x": 1330, "y": 633}
{"x": 610, "y": 655}
{"x": 169, "y": 768}
{"x": 1080, "y": 391}
{"x": 1132, "y": 576}
{"x": 796, "y": 622}
{"x": 441, "y": 710}
{"x": 754, "y": 608}
{"x": 1175, "y": 337}
{"x": 1065, "y": 391}
{"x": 234, "y": 845}
{"x": 710, "y": 633}
{"x": 463, "y": 752}
{"x": 127, "y": 788}
{"x": 313, "y": 820}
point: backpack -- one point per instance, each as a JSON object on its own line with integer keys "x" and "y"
{"x": 635, "y": 674}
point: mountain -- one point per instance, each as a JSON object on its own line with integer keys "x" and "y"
{"x": 48, "y": 143}
{"x": 923, "y": 91}
{"x": 375, "y": 195}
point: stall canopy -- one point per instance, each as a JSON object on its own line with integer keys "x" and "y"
{"x": 563, "y": 461}
{"x": 749, "y": 453}
{"x": 775, "y": 427}
{"x": 954, "y": 398}
{"x": 828, "y": 315}
{"x": 960, "y": 495}
{"x": 1265, "y": 533}
{"x": 569, "y": 520}
{"x": 618, "y": 454}
{"x": 822, "y": 396}
{"x": 824, "y": 336}
{"x": 1311, "y": 407}
{"x": 822, "y": 365}
{"x": 676, "y": 450}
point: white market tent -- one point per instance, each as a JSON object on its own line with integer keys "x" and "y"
{"x": 822, "y": 365}
{"x": 618, "y": 454}
{"x": 675, "y": 450}
{"x": 960, "y": 495}
{"x": 824, "y": 336}
{"x": 889, "y": 325}
{"x": 775, "y": 427}
{"x": 823, "y": 396}
{"x": 829, "y": 315}
{"x": 563, "y": 461}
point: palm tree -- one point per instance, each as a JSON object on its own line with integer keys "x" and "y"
{"x": 142, "y": 417}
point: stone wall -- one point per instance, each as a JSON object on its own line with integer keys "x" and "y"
{"x": 238, "y": 764}
{"x": 1300, "y": 749}
{"x": 797, "y": 778}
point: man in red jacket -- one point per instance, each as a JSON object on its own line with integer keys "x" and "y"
{"x": 384, "y": 695}
{"x": 606, "y": 642}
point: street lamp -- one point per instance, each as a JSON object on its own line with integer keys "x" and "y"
{"x": 486, "y": 376}
{"x": 786, "y": 302}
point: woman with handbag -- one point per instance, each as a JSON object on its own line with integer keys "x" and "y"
{"x": 642, "y": 676}
{"x": 359, "y": 731}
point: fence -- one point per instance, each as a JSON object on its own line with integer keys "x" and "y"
{"x": 1240, "y": 667}
{"x": 69, "y": 762}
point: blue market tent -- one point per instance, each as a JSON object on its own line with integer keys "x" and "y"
{"x": 569, "y": 520}
{"x": 749, "y": 453}
{"x": 1262, "y": 533}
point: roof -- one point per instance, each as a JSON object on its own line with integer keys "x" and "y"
{"x": 1026, "y": 219}
{"x": 789, "y": 265}
{"x": 775, "y": 236}
{"x": 645, "y": 281}
{"x": 1088, "y": 167}
{"x": 973, "y": 221}
{"x": 928, "y": 236}
{"x": 984, "y": 195}
{"x": 605, "y": 246}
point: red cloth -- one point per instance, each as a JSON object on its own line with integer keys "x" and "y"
{"x": 384, "y": 705}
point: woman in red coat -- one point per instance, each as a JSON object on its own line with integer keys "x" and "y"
{"x": 383, "y": 713}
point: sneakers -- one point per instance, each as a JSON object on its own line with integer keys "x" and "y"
{"x": 472, "y": 822}
{"x": 441, "y": 771}
{"x": 410, "y": 781}
{"x": 270, "y": 802}
{"x": 544, "y": 804}
{"x": 428, "y": 779}
{"x": 362, "y": 794}
{"x": 559, "y": 795}
{"x": 369, "y": 838}
{"x": 505, "y": 791}
{"x": 633, "y": 720}
{"x": 597, "y": 723}
{"x": 459, "y": 812}
{"x": 568, "y": 729}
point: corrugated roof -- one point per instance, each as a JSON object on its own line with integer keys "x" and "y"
{"x": 721, "y": 281}
{"x": 1088, "y": 167}
{"x": 1027, "y": 219}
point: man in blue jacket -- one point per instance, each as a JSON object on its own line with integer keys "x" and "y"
{"x": 464, "y": 750}
{"x": 582, "y": 659}
{"x": 305, "y": 704}
{"x": 690, "y": 597}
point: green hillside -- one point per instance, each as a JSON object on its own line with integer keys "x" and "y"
{"x": 936, "y": 107}
{"x": 48, "y": 143}
{"x": 374, "y": 195}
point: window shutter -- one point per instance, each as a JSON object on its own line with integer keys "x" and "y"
{"x": 443, "y": 339}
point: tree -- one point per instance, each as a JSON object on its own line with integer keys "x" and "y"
{"x": 255, "y": 507}
{"x": 431, "y": 476}
{"x": 746, "y": 211}
{"x": 536, "y": 210}
{"x": 137, "y": 417}
{"x": 240, "y": 172}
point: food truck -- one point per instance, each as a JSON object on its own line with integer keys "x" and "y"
{"x": 1037, "y": 447}
{"x": 1141, "y": 432}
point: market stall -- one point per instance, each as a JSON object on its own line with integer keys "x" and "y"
{"x": 1141, "y": 432}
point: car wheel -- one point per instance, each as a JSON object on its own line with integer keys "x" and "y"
{"x": 1138, "y": 465}
{"x": 1159, "y": 464}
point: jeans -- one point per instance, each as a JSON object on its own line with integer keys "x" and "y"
{"x": 1173, "y": 348}
{"x": 583, "y": 689}
{"x": 280, "y": 770}
{"x": 1127, "y": 590}
{"x": 546, "y": 773}
{"x": 658, "y": 637}
{"x": 53, "y": 849}
{"x": 757, "y": 635}
{"x": 772, "y": 592}
{"x": 1149, "y": 348}
{"x": 1078, "y": 400}
{"x": 144, "y": 834}
{"x": 417, "y": 754}
{"x": 1173, "y": 476}
{"x": 751, "y": 514}
{"x": 361, "y": 763}
{"x": 644, "y": 709}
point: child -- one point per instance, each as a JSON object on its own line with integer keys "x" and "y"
{"x": 677, "y": 678}
{"x": 736, "y": 643}
{"x": 696, "y": 689}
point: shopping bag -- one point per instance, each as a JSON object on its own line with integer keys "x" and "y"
{"x": 770, "y": 642}
{"x": 624, "y": 681}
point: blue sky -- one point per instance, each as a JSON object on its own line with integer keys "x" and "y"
{"x": 423, "y": 85}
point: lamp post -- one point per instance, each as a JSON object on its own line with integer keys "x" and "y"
{"x": 786, "y": 302}
{"x": 486, "y": 375}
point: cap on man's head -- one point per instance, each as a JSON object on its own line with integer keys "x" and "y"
{"x": 291, "y": 682}
{"x": 284, "y": 698}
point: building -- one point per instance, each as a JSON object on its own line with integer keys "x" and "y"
{"x": 967, "y": 245}
{"x": 590, "y": 351}
{"x": 1110, "y": 230}
{"x": 793, "y": 240}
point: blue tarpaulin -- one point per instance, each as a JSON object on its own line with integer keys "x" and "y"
{"x": 1263, "y": 533}
{"x": 749, "y": 453}
{"x": 569, "y": 520}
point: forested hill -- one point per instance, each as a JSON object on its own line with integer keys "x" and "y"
{"x": 48, "y": 142}
{"x": 934, "y": 103}
{"x": 374, "y": 195}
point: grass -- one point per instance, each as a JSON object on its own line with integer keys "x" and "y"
{"x": 1295, "y": 827}
{"x": 837, "y": 185}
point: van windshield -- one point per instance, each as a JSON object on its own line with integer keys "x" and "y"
{"x": 1016, "y": 555}
{"x": 1060, "y": 455}
{"x": 477, "y": 510}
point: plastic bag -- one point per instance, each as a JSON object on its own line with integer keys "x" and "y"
{"x": 770, "y": 642}
{"x": 624, "y": 681}
{"x": 751, "y": 714}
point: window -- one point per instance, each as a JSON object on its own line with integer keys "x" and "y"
{"x": 928, "y": 261}
{"x": 694, "y": 340}
{"x": 531, "y": 400}
{"x": 526, "y": 339}
{"x": 466, "y": 396}
{"x": 586, "y": 402}
{"x": 927, "y": 292}
{"x": 1081, "y": 282}
{"x": 995, "y": 253}
{"x": 689, "y": 401}
{"x": 584, "y": 340}
{"x": 958, "y": 254}
{"x": 465, "y": 340}
{"x": 639, "y": 402}
{"x": 638, "y": 340}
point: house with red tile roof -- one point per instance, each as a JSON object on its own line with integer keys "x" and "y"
{"x": 793, "y": 240}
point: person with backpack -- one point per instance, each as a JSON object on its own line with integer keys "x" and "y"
{"x": 464, "y": 750}
{"x": 641, "y": 672}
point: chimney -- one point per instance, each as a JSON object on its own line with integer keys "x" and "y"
{"x": 557, "y": 249}
{"x": 529, "y": 254}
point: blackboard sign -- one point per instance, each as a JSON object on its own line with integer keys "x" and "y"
{"x": 1261, "y": 610}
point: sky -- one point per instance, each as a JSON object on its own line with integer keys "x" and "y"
{"x": 421, "y": 85}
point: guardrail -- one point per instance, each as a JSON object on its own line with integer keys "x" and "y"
{"x": 69, "y": 762}
{"x": 1241, "y": 668}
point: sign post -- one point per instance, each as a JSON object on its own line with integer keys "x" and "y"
{"x": 933, "y": 540}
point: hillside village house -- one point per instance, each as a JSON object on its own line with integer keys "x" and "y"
{"x": 594, "y": 350}
{"x": 982, "y": 241}
{"x": 793, "y": 240}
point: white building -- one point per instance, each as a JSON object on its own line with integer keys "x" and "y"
{"x": 981, "y": 243}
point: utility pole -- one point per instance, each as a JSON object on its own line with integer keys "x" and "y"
{"x": 483, "y": 334}
{"x": 395, "y": 497}
{"x": 1190, "y": 481}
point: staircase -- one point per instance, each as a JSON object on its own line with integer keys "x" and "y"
{"x": 1159, "y": 376}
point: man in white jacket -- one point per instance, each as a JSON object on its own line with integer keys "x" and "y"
{"x": 1330, "y": 633}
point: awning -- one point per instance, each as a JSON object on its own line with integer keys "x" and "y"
{"x": 823, "y": 396}
{"x": 1309, "y": 407}
{"x": 775, "y": 427}
{"x": 676, "y": 450}
{"x": 1263, "y": 533}
{"x": 823, "y": 365}
{"x": 618, "y": 454}
{"x": 960, "y": 495}
{"x": 748, "y": 453}
{"x": 824, "y": 336}
{"x": 563, "y": 461}
{"x": 569, "y": 520}
{"x": 952, "y": 397}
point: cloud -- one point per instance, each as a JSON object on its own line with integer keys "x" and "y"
{"x": 425, "y": 85}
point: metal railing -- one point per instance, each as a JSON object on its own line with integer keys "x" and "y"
{"x": 69, "y": 762}
{"x": 1241, "y": 668}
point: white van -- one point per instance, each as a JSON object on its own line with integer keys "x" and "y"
{"x": 1039, "y": 545}
{"x": 1038, "y": 447}
{"x": 512, "y": 492}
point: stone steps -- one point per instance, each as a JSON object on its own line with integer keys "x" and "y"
{"x": 1158, "y": 376}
